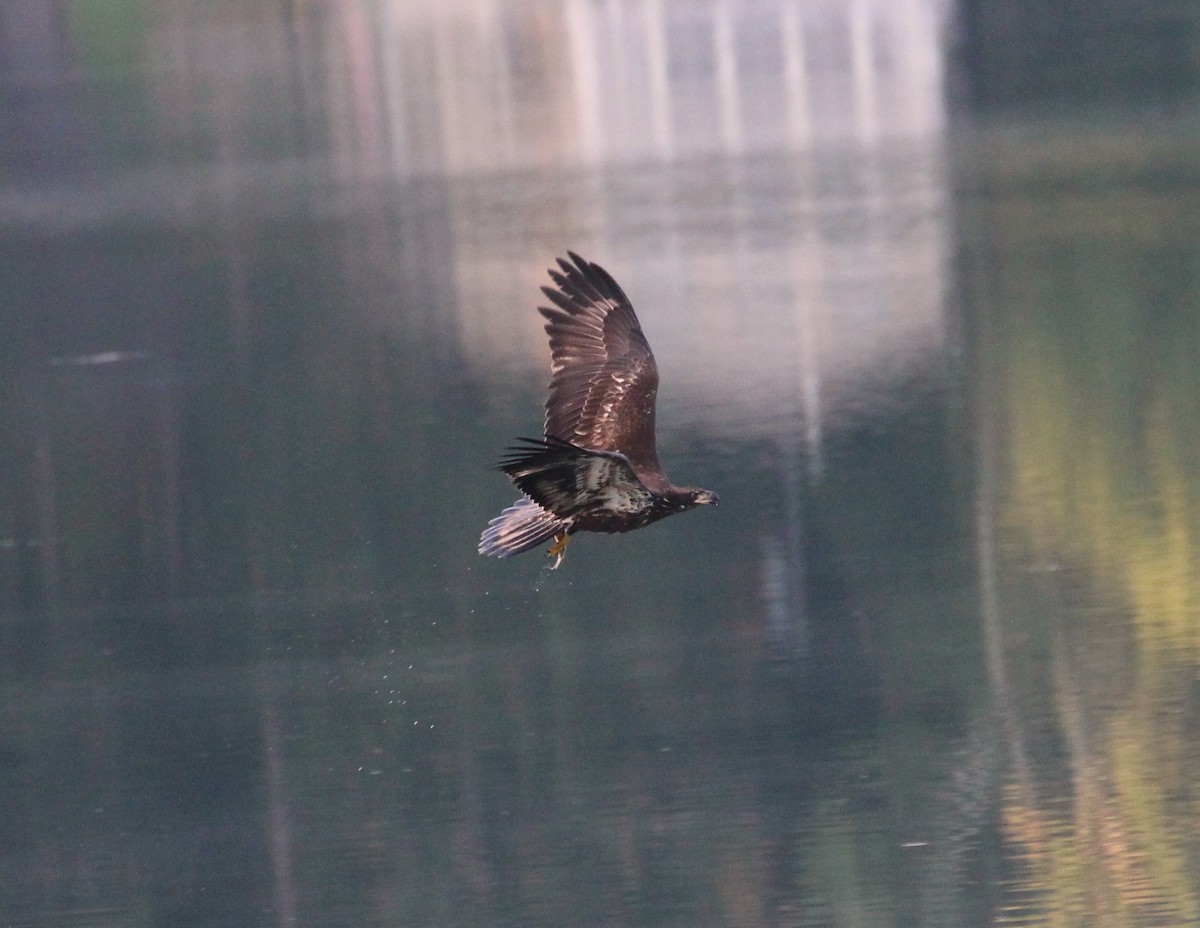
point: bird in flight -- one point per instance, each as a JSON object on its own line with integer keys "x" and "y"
{"x": 596, "y": 468}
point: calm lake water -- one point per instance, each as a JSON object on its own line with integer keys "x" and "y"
{"x": 270, "y": 273}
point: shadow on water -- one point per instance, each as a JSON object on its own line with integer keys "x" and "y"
{"x": 269, "y": 320}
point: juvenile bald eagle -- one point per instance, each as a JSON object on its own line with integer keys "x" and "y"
{"x": 596, "y": 469}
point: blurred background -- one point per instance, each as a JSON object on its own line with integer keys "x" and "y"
{"x": 923, "y": 281}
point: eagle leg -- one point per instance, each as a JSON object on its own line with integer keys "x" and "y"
{"x": 558, "y": 550}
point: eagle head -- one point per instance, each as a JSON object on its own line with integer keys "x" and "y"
{"x": 693, "y": 496}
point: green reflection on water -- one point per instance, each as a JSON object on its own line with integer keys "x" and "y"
{"x": 1091, "y": 326}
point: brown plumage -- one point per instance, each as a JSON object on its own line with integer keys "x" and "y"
{"x": 596, "y": 469}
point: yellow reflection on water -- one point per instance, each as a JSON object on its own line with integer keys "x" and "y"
{"x": 1100, "y": 509}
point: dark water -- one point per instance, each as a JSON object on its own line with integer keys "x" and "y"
{"x": 269, "y": 279}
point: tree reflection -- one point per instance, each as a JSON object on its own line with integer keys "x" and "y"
{"x": 1089, "y": 332}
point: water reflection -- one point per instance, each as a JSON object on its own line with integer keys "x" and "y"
{"x": 1090, "y": 473}
{"x": 932, "y": 663}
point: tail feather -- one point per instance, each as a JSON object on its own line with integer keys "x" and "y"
{"x": 521, "y": 526}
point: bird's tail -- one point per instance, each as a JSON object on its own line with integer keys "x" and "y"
{"x": 521, "y": 526}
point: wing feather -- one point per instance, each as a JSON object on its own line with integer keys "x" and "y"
{"x": 568, "y": 481}
{"x": 604, "y": 382}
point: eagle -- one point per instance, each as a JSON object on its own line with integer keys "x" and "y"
{"x": 596, "y": 468}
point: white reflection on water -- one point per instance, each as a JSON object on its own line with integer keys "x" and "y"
{"x": 771, "y": 290}
{"x": 814, "y": 273}
{"x": 584, "y": 83}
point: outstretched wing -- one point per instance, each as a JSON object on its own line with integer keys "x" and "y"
{"x": 604, "y": 381}
{"x": 568, "y": 481}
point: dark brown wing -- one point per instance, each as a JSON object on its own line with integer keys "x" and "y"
{"x": 570, "y": 481}
{"x": 604, "y": 381}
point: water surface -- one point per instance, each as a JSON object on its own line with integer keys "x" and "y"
{"x": 270, "y": 281}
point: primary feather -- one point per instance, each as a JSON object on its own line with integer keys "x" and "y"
{"x": 603, "y": 379}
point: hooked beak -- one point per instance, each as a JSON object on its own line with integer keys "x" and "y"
{"x": 707, "y": 498}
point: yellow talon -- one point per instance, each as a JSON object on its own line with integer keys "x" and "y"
{"x": 558, "y": 549}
